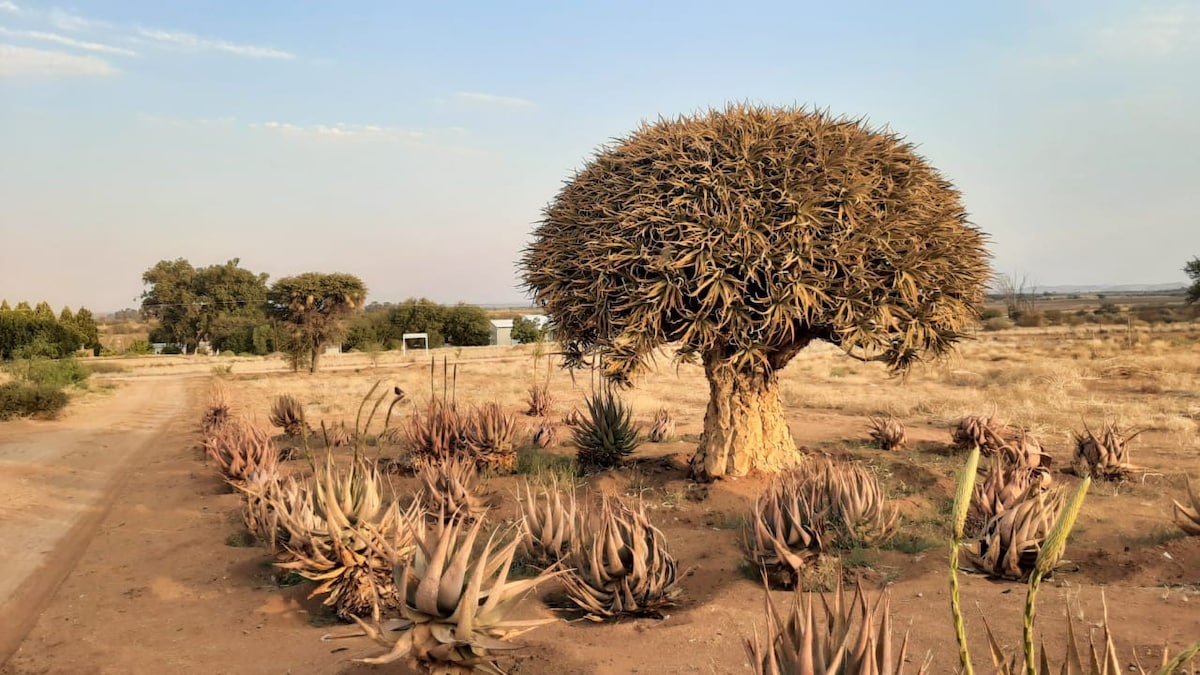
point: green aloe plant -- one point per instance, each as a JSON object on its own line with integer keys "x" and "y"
{"x": 605, "y": 434}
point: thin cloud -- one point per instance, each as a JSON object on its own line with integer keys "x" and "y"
{"x": 493, "y": 99}
{"x": 336, "y": 133}
{"x": 194, "y": 43}
{"x": 73, "y": 22}
{"x": 25, "y": 61}
{"x": 1155, "y": 32}
{"x": 356, "y": 132}
{"x": 155, "y": 37}
{"x": 67, "y": 41}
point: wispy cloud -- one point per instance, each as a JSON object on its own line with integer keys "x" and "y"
{"x": 493, "y": 99}
{"x": 194, "y": 43}
{"x": 332, "y": 133}
{"x": 24, "y": 61}
{"x": 369, "y": 133}
{"x": 1155, "y": 31}
{"x": 131, "y": 34}
{"x": 73, "y": 22}
{"x": 67, "y": 41}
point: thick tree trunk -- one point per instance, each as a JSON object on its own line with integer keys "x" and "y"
{"x": 744, "y": 429}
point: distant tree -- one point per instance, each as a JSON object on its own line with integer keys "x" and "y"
{"x": 66, "y": 316}
{"x": 1192, "y": 268}
{"x": 378, "y": 307}
{"x": 526, "y": 331}
{"x": 1018, "y": 297}
{"x": 4, "y": 306}
{"x": 43, "y": 310}
{"x": 127, "y": 314}
{"x": 212, "y": 303}
{"x": 416, "y": 315}
{"x": 315, "y": 307}
{"x": 173, "y": 300}
{"x": 466, "y": 326}
{"x": 23, "y": 306}
{"x": 262, "y": 339}
{"x": 740, "y": 236}
{"x": 84, "y": 325}
{"x": 365, "y": 329}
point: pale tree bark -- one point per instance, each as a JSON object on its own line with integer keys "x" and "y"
{"x": 744, "y": 428}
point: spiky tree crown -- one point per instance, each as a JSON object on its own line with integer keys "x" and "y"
{"x": 747, "y": 232}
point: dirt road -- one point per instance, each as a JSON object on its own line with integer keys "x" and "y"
{"x": 59, "y": 478}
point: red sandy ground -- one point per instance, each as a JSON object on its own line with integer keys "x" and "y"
{"x": 152, "y": 587}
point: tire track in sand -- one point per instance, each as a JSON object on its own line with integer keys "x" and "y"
{"x": 58, "y": 479}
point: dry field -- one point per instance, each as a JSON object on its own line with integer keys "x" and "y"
{"x": 164, "y": 586}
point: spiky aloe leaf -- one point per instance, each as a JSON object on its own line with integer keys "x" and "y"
{"x": 619, "y": 564}
{"x": 605, "y": 434}
{"x": 457, "y": 604}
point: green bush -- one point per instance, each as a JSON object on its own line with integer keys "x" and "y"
{"x": 466, "y": 325}
{"x": 21, "y": 399}
{"x": 139, "y": 347}
{"x": 56, "y": 373}
{"x": 525, "y": 331}
{"x": 22, "y": 330}
{"x": 263, "y": 339}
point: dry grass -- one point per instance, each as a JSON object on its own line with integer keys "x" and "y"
{"x": 1037, "y": 379}
{"x": 1046, "y": 383}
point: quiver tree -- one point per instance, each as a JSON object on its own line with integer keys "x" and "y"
{"x": 740, "y": 236}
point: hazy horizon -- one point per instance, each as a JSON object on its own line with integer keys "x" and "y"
{"x": 416, "y": 146}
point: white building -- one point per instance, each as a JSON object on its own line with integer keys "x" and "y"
{"x": 502, "y": 331}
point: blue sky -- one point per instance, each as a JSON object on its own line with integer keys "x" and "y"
{"x": 415, "y": 144}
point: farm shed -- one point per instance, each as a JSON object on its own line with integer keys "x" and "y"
{"x": 502, "y": 331}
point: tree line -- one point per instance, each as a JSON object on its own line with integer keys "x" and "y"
{"x": 234, "y": 309}
{"x": 27, "y": 331}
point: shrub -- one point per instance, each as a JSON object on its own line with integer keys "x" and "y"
{"x": 21, "y": 330}
{"x": 526, "y": 331}
{"x": 139, "y": 347}
{"x": 263, "y": 339}
{"x": 998, "y": 323}
{"x": 466, "y": 325}
{"x": 21, "y": 399}
{"x": 55, "y": 373}
{"x": 1030, "y": 319}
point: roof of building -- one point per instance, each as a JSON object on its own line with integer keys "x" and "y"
{"x": 502, "y": 323}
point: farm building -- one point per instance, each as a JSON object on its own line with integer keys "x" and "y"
{"x": 502, "y": 331}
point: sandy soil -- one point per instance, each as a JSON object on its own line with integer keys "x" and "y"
{"x": 157, "y": 586}
{"x": 58, "y": 481}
